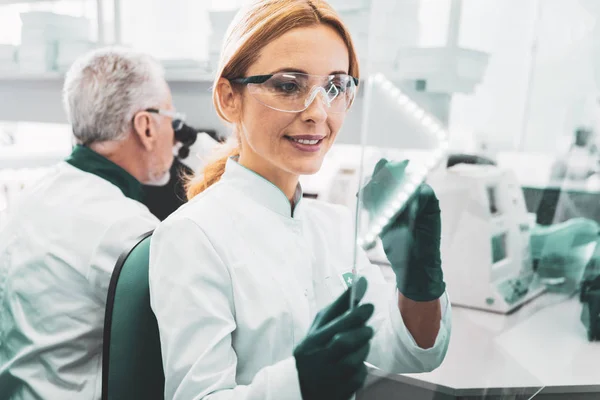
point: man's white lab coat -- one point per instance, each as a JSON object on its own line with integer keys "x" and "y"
{"x": 57, "y": 254}
{"x": 236, "y": 281}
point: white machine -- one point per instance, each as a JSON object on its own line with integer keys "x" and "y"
{"x": 485, "y": 238}
{"x": 486, "y": 228}
{"x": 338, "y": 179}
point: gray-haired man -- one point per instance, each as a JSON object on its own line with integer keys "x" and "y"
{"x": 59, "y": 248}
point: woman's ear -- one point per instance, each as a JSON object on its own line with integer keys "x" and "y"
{"x": 229, "y": 100}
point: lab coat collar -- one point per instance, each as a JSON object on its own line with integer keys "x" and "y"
{"x": 262, "y": 190}
{"x": 88, "y": 160}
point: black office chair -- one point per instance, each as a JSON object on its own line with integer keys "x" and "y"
{"x": 132, "y": 362}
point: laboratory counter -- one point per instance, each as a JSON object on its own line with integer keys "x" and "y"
{"x": 558, "y": 201}
{"x": 540, "y": 349}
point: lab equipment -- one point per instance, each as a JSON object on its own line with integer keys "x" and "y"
{"x": 590, "y": 313}
{"x": 337, "y": 181}
{"x": 163, "y": 200}
{"x": 51, "y": 41}
{"x": 195, "y": 145}
{"x": 561, "y": 252}
{"x": 485, "y": 238}
{"x": 186, "y": 135}
{"x": 191, "y": 150}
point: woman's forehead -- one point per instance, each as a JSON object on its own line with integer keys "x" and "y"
{"x": 317, "y": 50}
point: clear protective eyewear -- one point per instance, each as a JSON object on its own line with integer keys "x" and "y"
{"x": 294, "y": 92}
{"x": 177, "y": 119}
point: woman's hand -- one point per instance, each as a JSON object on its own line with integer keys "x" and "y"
{"x": 412, "y": 240}
{"x": 330, "y": 360}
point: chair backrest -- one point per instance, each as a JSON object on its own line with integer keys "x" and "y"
{"x": 132, "y": 362}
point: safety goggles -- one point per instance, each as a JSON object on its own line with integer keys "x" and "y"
{"x": 177, "y": 119}
{"x": 294, "y": 92}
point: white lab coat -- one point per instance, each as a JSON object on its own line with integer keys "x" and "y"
{"x": 235, "y": 283}
{"x": 57, "y": 253}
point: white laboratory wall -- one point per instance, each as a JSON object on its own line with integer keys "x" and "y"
{"x": 226, "y": 4}
{"x": 434, "y": 17}
{"x": 564, "y": 87}
{"x": 542, "y": 78}
{"x": 504, "y": 29}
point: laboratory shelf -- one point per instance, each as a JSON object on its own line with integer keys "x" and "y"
{"x": 38, "y": 97}
{"x": 183, "y": 75}
{"x": 8, "y": 2}
{"x": 27, "y": 76}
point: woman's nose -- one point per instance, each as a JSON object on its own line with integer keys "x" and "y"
{"x": 317, "y": 110}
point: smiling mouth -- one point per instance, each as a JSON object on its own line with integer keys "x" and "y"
{"x": 310, "y": 142}
{"x": 306, "y": 144}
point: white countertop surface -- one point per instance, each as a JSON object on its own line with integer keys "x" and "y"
{"x": 542, "y": 344}
{"x": 548, "y": 348}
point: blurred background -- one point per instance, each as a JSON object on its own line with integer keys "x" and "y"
{"x": 515, "y": 83}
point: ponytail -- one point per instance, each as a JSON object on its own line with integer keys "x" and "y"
{"x": 213, "y": 171}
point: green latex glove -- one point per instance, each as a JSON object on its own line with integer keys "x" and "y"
{"x": 330, "y": 360}
{"x": 412, "y": 239}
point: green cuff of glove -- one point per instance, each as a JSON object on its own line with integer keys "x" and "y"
{"x": 421, "y": 288}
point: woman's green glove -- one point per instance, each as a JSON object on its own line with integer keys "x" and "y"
{"x": 330, "y": 360}
{"x": 412, "y": 239}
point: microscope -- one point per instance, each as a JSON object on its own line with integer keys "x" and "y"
{"x": 192, "y": 148}
{"x": 485, "y": 238}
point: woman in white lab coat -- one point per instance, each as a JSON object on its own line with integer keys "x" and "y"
{"x": 239, "y": 273}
